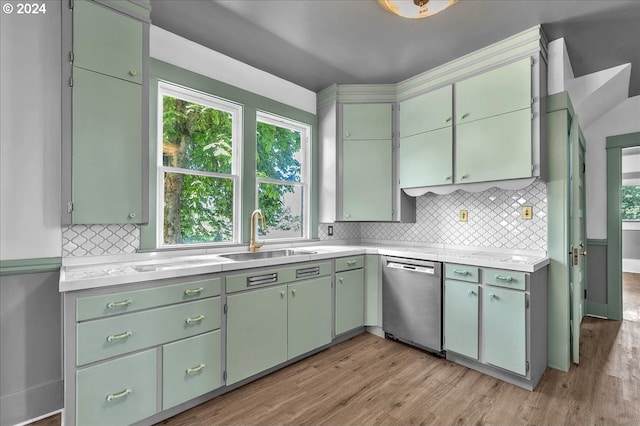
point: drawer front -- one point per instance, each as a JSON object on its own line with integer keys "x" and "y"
{"x": 131, "y": 301}
{"x": 461, "y": 272}
{"x": 503, "y": 278}
{"x": 347, "y": 263}
{"x": 190, "y": 368}
{"x": 118, "y": 392}
{"x": 109, "y": 337}
{"x": 263, "y": 278}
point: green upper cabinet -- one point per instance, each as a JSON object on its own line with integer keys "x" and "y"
{"x": 430, "y": 111}
{"x": 367, "y": 121}
{"x": 105, "y": 118}
{"x": 367, "y": 162}
{"x": 426, "y": 159}
{"x": 501, "y": 90}
{"x": 107, "y": 42}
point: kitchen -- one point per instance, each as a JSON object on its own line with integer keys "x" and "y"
{"x": 433, "y": 221}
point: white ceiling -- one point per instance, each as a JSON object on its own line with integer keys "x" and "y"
{"x": 315, "y": 43}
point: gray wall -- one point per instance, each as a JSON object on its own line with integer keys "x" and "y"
{"x": 631, "y": 244}
{"x": 30, "y": 347}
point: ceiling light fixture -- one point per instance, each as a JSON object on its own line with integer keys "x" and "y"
{"x": 415, "y": 8}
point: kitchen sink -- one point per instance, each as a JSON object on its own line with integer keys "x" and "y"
{"x": 248, "y": 255}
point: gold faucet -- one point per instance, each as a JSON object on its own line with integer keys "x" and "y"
{"x": 252, "y": 244}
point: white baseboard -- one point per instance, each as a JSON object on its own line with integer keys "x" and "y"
{"x": 631, "y": 265}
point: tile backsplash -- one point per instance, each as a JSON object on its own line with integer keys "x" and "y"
{"x": 494, "y": 221}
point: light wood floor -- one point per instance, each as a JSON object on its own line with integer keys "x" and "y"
{"x": 369, "y": 380}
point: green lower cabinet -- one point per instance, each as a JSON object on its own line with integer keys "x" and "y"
{"x": 118, "y": 392}
{"x": 461, "y": 318}
{"x": 426, "y": 159}
{"x": 504, "y": 332}
{"x": 309, "y": 319}
{"x": 371, "y": 293}
{"x": 256, "y": 331}
{"x": 349, "y": 300}
{"x": 190, "y": 368}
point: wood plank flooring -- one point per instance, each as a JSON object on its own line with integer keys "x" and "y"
{"x": 369, "y": 380}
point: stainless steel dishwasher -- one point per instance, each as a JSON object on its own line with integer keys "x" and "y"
{"x": 412, "y": 302}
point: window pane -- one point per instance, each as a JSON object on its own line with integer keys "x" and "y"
{"x": 630, "y": 202}
{"x": 279, "y": 153}
{"x": 282, "y": 207}
{"x": 197, "y": 209}
{"x": 195, "y": 136}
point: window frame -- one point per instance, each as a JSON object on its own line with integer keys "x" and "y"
{"x": 209, "y": 100}
{"x": 305, "y": 169}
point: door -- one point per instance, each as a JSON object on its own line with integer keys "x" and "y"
{"x": 577, "y": 235}
{"x": 349, "y": 300}
{"x": 309, "y": 316}
{"x": 461, "y": 318}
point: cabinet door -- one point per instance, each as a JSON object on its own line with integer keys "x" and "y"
{"x": 461, "y": 318}
{"x": 372, "y": 293}
{"x": 504, "y": 333}
{"x": 427, "y": 159}
{"x": 106, "y": 157}
{"x": 256, "y": 331}
{"x": 367, "y": 121}
{"x": 495, "y": 148}
{"x": 349, "y": 300}
{"x": 426, "y": 112}
{"x": 190, "y": 368}
{"x": 367, "y": 180}
{"x": 106, "y": 41}
{"x": 309, "y": 316}
{"x": 502, "y": 90}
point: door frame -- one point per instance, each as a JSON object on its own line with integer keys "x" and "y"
{"x": 614, "y": 146}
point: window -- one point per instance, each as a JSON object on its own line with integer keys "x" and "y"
{"x": 282, "y": 176}
{"x": 630, "y": 198}
{"x": 199, "y": 162}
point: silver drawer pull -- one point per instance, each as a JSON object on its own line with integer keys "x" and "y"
{"x": 504, "y": 278}
{"x": 193, "y": 291}
{"x": 112, "y": 305}
{"x": 262, "y": 279}
{"x": 351, "y": 262}
{"x": 194, "y": 319}
{"x": 194, "y": 370}
{"x": 118, "y": 395}
{"x": 307, "y": 272}
{"x": 460, "y": 272}
{"x": 115, "y": 337}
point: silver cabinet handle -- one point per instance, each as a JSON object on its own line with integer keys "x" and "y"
{"x": 351, "y": 262}
{"x": 465, "y": 115}
{"x": 112, "y": 305}
{"x": 193, "y": 291}
{"x": 460, "y": 272}
{"x": 465, "y": 176}
{"x": 262, "y": 279}
{"x": 293, "y": 292}
{"x": 447, "y": 120}
{"x": 194, "y": 370}
{"x": 447, "y": 178}
{"x": 504, "y": 278}
{"x": 194, "y": 319}
{"x": 115, "y": 337}
{"x": 118, "y": 395}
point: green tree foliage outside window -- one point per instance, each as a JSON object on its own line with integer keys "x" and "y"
{"x": 631, "y": 202}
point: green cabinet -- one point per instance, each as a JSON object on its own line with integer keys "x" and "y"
{"x": 426, "y": 159}
{"x": 367, "y": 162}
{"x": 504, "y": 330}
{"x": 349, "y": 304}
{"x": 430, "y": 111}
{"x": 461, "y": 317}
{"x": 372, "y": 290}
{"x": 107, "y": 137}
{"x": 256, "y": 331}
{"x": 309, "y": 316}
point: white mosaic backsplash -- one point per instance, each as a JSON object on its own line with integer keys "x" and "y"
{"x": 98, "y": 240}
{"x": 341, "y": 231}
{"x": 494, "y": 220}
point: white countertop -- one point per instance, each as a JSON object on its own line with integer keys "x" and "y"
{"x": 102, "y": 271}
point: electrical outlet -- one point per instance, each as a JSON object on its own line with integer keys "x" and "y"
{"x": 330, "y": 230}
{"x": 527, "y": 212}
{"x": 464, "y": 215}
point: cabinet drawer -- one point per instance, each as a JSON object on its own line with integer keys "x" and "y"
{"x": 190, "y": 368}
{"x": 118, "y": 392}
{"x": 461, "y": 273}
{"x": 261, "y": 278}
{"x": 131, "y": 301}
{"x": 502, "y": 278}
{"x": 347, "y": 263}
{"x": 109, "y": 337}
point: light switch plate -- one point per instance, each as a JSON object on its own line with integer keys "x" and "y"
{"x": 464, "y": 215}
{"x": 330, "y": 230}
{"x": 527, "y": 212}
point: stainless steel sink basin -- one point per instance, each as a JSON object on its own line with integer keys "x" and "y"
{"x": 248, "y": 255}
